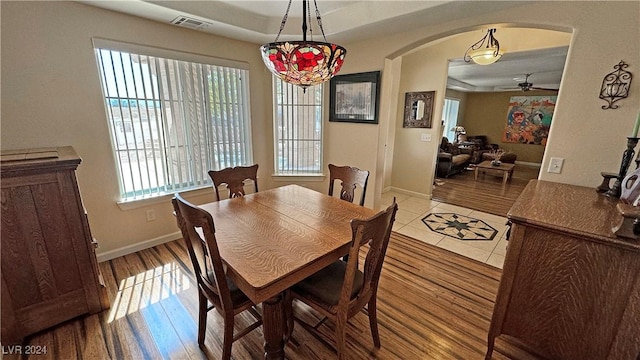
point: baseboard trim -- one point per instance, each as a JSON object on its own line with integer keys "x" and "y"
{"x": 126, "y": 250}
{"x": 411, "y": 193}
{"x": 528, "y": 163}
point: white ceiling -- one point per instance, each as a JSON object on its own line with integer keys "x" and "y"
{"x": 258, "y": 21}
{"x": 545, "y": 66}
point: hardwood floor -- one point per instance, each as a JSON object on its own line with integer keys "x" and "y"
{"x": 486, "y": 194}
{"x": 432, "y": 304}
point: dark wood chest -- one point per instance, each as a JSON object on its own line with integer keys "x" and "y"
{"x": 49, "y": 267}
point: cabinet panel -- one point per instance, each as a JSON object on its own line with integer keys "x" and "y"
{"x": 49, "y": 270}
{"x": 15, "y": 254}
{"x": 563, "y": 290}
{"x": 570, "y": 288}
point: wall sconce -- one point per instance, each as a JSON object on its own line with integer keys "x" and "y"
{"x": 615, "y": 85}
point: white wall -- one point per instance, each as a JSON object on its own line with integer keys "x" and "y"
{"x": 590, "y": 139}
{"x": 51, "y": 96}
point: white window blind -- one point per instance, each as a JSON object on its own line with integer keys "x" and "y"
{"x": 297, "y": 129}
{"x": 172, "y": 121}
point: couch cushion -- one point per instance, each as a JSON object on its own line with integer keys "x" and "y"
{"x": 460, "y": 159}
{"x": 453, "y": 149}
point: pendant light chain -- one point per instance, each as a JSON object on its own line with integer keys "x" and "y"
{"x": 319, "y": 19}
{"x": 303, "y": 62}
{"x": 284, "y": 20}
{"x": 309, "y": 16}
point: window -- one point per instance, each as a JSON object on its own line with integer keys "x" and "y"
{"x": 297, "y": 129}
{"x": 450, "y": 118}
{"x": 171, "y": 121}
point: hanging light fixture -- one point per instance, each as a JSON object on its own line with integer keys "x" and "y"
{"x": 303, "y": 63}
{"x": 484, "y": 52}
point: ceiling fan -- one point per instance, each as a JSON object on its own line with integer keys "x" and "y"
{"x": 526, "y": 85}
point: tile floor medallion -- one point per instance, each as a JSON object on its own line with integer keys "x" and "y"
{"x": 459, "y": 226}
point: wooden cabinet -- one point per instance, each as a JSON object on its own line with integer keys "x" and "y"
{"x": 570, "y": 288}
{"x": 49, "y": 267}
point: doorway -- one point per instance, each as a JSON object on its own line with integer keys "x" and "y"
{"x": 485, "y": 94}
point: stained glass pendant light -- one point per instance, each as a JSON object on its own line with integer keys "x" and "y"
{"x": 484, "y": 52}
{"x": 303, "y": 63}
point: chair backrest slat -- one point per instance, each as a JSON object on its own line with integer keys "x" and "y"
{"x": 198, "y": 232}
{"x": 350, "y": 177}
{"x": 376, "y": 232}
{"x": 234, "y": 178}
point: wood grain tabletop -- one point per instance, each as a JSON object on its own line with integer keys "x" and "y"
{"x": 272, "y": 239}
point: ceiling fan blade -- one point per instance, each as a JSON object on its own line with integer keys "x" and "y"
{"x": 541, "y": 88}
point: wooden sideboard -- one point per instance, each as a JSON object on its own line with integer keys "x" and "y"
{"x": 49, "y": 268}
{"x": 570, "y": 289}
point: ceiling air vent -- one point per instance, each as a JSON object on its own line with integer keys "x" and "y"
{"x": 189, "y": 22}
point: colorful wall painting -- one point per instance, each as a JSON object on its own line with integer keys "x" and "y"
{"x": 529, "y": 119}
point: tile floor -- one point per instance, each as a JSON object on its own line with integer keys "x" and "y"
{"x": 411, "y": 210}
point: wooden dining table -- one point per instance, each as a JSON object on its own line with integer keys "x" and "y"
{"x": 271, "y": 240}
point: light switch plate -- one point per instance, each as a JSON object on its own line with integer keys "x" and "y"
{"x": 555, "y": 165}
{"x": 425, "y": 137}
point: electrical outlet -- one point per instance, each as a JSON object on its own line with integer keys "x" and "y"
{"x": 555, "y": 165}
{"x": 151, "y": 215}
{"x": 425, "y": 137}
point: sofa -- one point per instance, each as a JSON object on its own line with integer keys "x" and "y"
{"x": 452, "y": 159}
{"x": 483, "y": 151}
{"x": 480, "y": 146}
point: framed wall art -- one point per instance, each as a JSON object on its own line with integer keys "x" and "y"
{"x": 418, "y": 109}
{"x": 529, "y": 119}
{"x": 354, "y": 97}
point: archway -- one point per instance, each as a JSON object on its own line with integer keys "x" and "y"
{"x": 410, "y": 163}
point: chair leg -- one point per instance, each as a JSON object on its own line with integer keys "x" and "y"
{"x": 228, "y": 337}
{"x": 341, "y": 331}
{"x": 288, "y": 314}
{"x": 373, "y": 321}
{"x": 202, "y": 317}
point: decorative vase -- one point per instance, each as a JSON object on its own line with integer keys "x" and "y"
{"x": 495, "y": 162}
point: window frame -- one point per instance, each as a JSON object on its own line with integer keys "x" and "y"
{"x": 237, "y": 112}
{"x": 446, "y": 127}
{"x": 298, "y": 175}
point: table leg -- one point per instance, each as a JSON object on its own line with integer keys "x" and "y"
{"x": 475, "y": 174}
{"x": 273, "y": 327}
{"x": 505, "y": 177}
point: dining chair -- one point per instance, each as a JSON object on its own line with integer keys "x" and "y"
{"x": 341, "y": 290}
{"x": 234, "y": 178}
{"x": 350, "y": 177}
{"x": 214, "y": 286}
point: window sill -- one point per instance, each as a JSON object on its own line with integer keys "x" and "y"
{"x": 126, "y": 205}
